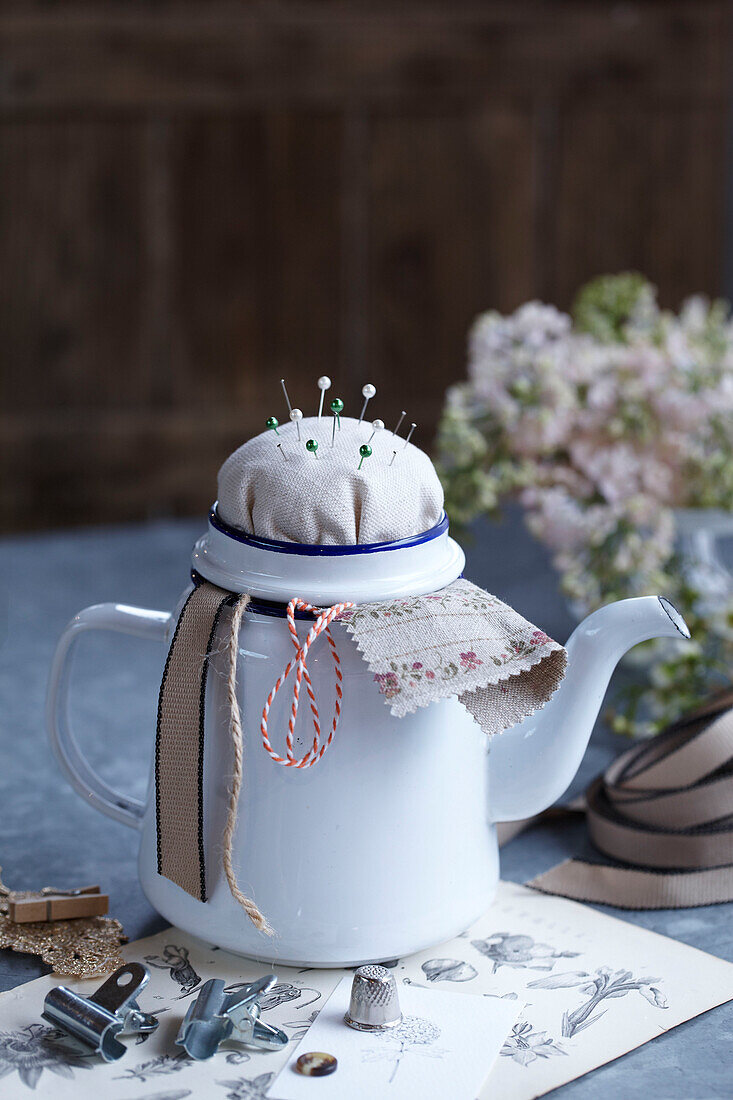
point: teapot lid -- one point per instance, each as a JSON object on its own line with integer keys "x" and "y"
{"x": 277, "y": 570}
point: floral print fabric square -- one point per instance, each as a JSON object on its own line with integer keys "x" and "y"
{"x": 459, "y": 641}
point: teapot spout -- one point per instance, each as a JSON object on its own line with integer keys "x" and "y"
{"x": 532, "y": 764}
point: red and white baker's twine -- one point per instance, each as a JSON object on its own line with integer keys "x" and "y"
{"x": 321, "y": 625}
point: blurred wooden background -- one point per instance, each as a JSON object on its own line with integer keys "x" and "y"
{"x": 196, "y": 199}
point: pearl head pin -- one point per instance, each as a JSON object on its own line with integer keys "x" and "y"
{"x": 296, "y": 416}
{"x": 312, "y": 446}
{"x": 271, "y": 424}
{"x": 324, "y": 383}
{"x": 412, "y": 429}
{"x": 365, "y": 451}
{"x": 402, "y": 417}
{"x": 290, "y": 407}
{"x": 367, "y": 392}
{"x": 378, "y": 426}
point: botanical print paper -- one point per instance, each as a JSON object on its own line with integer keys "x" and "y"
{"x": 595, "y": 987}
{"x": 430, "y": 1055}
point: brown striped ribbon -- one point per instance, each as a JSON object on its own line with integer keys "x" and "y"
{"x": 179, "y": 743}
{"x": 666, "y": 807}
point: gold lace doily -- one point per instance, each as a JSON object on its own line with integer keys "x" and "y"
{"x": 85, "y": 947}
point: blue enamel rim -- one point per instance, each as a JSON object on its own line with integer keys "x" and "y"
{"x": 312, "y": 550}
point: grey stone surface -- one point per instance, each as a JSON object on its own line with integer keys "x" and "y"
{"x": 49, "y": 836}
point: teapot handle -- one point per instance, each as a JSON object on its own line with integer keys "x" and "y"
{"x": 103, "y": 616}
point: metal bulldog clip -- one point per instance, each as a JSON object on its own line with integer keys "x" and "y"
{"x": 97, "y": 1020}
{"x": 216, "y": 1016}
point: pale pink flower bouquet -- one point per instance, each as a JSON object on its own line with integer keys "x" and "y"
{"x": 603, "y": 424}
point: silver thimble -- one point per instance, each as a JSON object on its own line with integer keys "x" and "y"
{"x": 375, "y": 1005}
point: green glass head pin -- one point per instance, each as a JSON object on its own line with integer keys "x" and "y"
{"x": 272, "y": 424}
{"x": 365, "y": 451}
{"x": 336, "y": 407}
{"x": 312, "y": 446}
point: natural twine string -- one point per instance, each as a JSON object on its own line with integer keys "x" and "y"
{"x": 235, "y": 727}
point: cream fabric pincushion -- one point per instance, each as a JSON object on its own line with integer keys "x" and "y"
{"x": 295, "y": 497}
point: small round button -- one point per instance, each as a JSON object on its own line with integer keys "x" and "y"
{"x": 316, "y": 1064}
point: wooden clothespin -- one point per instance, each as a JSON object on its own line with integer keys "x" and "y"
{"x": 86, "y": 901}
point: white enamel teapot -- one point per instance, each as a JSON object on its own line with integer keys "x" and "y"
{"x": 388, "y": 845}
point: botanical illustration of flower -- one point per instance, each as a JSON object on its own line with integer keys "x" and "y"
{"x": 414, "y": 1035}
{"x": 469, "y": 661}
{"x": 34, "y": 1048}
{"x": 280, "y": 994}
{"x": 159, "y": 1066}
{"x": 603, "y": 985}
{"x": 166, "y": 1094}
{"x": 176, "y": 961}
{"x": 300, "y": 1027}
{"x": 525, "y": 1045}
{"x": 448, "y": 970}
{"x": 519, "y": 952}
{"x": 248, "y": 1088}
{"x": 237, "y": 1057}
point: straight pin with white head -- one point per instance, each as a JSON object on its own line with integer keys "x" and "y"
{"x": 378, "y": 426}
{"x": 402, "y": 417}
{"x": 324, "y": 383}
{"x": 367, "y": 392}
{"x": 412, "y": 429}
{"x": 290, "y": 407}
{"x": 296, "y": 416}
